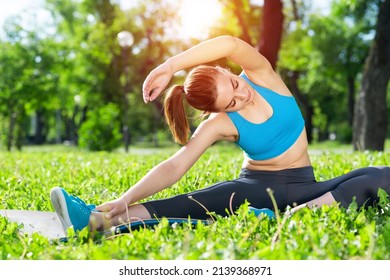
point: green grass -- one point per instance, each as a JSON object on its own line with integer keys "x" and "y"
{"x": 322, "y": 233}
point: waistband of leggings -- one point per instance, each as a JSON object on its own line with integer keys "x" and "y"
{"x": 301, "y": 172}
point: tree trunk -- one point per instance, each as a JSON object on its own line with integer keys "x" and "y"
{"x": 307, "y": 108}
{"x": 370, "y": 122}
{"x": 351, "y": 98}
{"x": 20, "y": 128}
{"x": 74, "y": 135}
{"x": 40, "y": 136}
{"x": 271, "y": 30}
{"x": 11, "y": 128}
{"x": 238, "y": 11}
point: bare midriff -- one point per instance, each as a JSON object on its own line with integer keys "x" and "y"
{"x": 295, "y": 157}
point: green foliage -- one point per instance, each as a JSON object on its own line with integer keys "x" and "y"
{"x": 101, "y": 130}
{"x": 79, "y": 58}
{"x": 328, "y": 51}
{"x": 43, "y": 71}
{"x": 329, "y": 232}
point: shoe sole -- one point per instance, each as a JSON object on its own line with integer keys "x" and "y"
{"x": 58, "y": 201}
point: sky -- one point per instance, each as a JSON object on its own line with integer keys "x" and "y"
{"x": 13, "y": 7}
{"x": 29, "y": 9}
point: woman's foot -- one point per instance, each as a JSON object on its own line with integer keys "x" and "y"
{"x": 72, "y": 210}
{"x": 264, "y": 211}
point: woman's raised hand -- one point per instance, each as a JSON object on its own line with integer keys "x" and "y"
{"x": 156, "y": 82}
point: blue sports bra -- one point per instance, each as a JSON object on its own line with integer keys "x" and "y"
{"x": 277, "y": 134}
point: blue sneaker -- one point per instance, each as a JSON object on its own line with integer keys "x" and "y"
{"x": 71, "y": 209}
{"x": 265, "y": 211}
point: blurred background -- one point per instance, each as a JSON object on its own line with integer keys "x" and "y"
{"x": 71, "y": 71}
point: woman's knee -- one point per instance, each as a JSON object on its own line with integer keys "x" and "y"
{"x": 379, "y": 177}
{"x": 373, "y": 178}
{"x": 384, "y": 176}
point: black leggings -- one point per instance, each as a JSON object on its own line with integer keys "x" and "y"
{"x": 289, "y": 186}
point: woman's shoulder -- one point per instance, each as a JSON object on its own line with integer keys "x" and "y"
{"x": 218, "y": 118}
{"x": 220, "y": 124}
{"x": 268, "y": 80}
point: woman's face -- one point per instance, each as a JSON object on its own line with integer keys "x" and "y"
{"x": 233, "y": 93}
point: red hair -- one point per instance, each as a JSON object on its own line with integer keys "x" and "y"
{"x": 200, "y": 91}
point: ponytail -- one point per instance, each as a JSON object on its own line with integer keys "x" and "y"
{"x": 200, "y": 93}
{"x": 175, "y": 114}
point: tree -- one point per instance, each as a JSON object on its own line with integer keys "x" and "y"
{"x": 95, "y": 68}
{"x": 27, "y": 80}
{"x": 370, "y": 122}
{"x": 271, "y": 30}
{"x": 240, "y": 11}
{"x": 266, "y": 30}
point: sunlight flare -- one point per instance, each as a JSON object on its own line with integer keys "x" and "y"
{"x": 197, "y": 17}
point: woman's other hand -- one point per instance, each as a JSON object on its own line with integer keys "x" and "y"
{"x": 156, "y": 81}
{"x": 114, "y": 207}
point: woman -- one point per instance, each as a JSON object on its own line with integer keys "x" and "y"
{"x": 258, "y": 112}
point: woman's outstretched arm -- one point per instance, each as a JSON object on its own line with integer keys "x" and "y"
{"x": 169, "y": 171}
{"x": 230, "y": 47}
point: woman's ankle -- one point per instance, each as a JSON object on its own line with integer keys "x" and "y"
{"x": 97, "y": 222}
